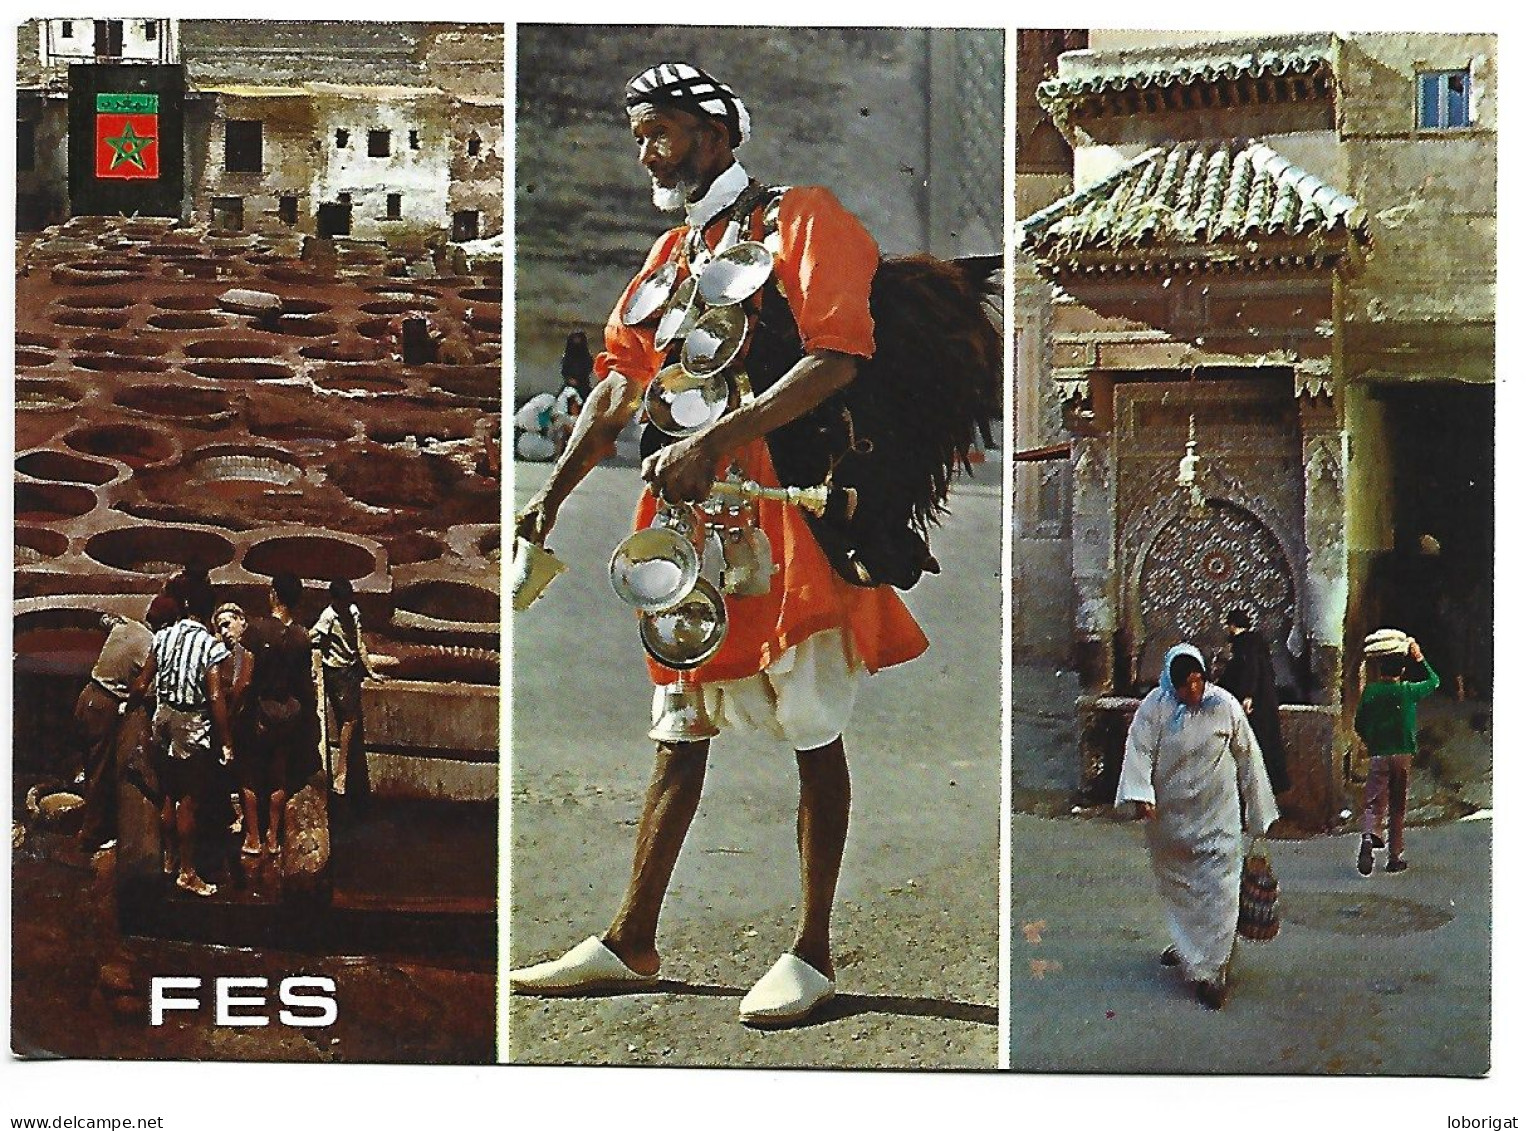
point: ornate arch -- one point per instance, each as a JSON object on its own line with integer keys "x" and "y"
{"x": 1181, "y": 573}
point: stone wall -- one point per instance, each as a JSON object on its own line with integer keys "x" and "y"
{"x": 1316, "y": 792}
{"x": 847, "y": 108}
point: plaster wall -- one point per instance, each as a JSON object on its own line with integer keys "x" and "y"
{"x": 1423, "y": 305}
{"x": 55, "y": 50}
{"x": 42, "y": 192}
{"x": 287, "y": 125}
{"x": 420, "y": 175}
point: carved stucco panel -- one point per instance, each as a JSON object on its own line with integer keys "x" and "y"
{"x": 1326, "y": 562}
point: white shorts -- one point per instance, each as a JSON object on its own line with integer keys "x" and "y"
{"x": 806, "y": 697}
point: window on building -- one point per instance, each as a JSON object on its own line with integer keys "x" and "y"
{"x": 342, "y": 139}
{"x": 1443, "y": 100}
{"x": 464, "y": 225}
{"x": 395, "y": 206}
{"x": 26, "y": 146}
{"x": 379, "y": 143}
{"x": 287, "y": 210}
{"x": 243, "y": 146}
{"x": 344, "y": 198}
{"x": 474, "y": 145}
{"x": 66, "y": 29}
{"x": 228, "y": 213}
{"x": 108, "y": 39}
{"x": 413, "y": 139}
{"x": 150, "y": 30}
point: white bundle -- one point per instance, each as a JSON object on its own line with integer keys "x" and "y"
{"x": 1386, "y": 642}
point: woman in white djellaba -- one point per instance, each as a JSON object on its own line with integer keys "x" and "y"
{"x": 1193, "y": 770}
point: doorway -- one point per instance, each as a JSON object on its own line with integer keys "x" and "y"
{"x": 333, "y": 220}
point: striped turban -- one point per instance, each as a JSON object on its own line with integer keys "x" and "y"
{"x": 683, "y": 87}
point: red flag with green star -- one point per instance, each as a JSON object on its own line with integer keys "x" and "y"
{"x": 127, "y": 136}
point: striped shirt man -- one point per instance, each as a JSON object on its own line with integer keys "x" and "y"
{"x": 182, "y": 654}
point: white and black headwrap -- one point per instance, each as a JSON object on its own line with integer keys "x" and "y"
{"x": 681, "y": 86}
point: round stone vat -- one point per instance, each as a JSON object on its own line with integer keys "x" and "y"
{"x": 59, "y": 641}
{"x": 37, "y": 544}
{"x": 177, "y": 402}
{"x": 241, "y": 370}
{"x": 202, "y": 267}
{"x": 378, "y": 329}
{"x": 243, "y": 463}
{"x": 408, "y": 304}
{"x": 52, "y": 502}
{"x": 114, "y": 363}
{"x": 449, "y": 601}
{"x": 120, "y": 344}
{"x": 444, "y": 664}
{"x": 291, "y": 305}
{"x": 479, "y": 381}
{"x": 93, "y": 319}
{"x": 64, "y": 467}
{"x": 230, "y": 240}
{"x": 305, "y": 326}
{"x": 293, "y": 273}
{"x": 40, "y": 394}
{"x": 104, "y": 300}
{"x": 482, "y": 294}
{"x": 233, "y": 348}
{"x": 310, "y": 555}
{"x": 187, "y": 300}
{"x": 358, "y": 377}
{"x": 94, "y": 272}
{"x": 355, "y": 349}
{"x": 159, "y": 549}
{"x": 136, "y": 445}
{"x": 32, "y": 359}
{"x": 409, "y": 549}
{"x": 185, "y": 320}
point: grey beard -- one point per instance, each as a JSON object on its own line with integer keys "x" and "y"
{"x": 671, "y": 199}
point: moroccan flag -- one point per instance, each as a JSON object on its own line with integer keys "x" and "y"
{"x": 127, "y": 136}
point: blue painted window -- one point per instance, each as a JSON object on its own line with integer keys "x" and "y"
{"x": 1443, "y": 100}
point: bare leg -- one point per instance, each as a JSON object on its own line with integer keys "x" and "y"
{"x": 342, "y": 755}
{"x": 273, "y": 830}
{"x": 185, "y": 827}
{"x": 673, "y": 795}
{"x": 822, "y": 828}
{"x": 251, "y": 821}
{"x": 167, "y": 842}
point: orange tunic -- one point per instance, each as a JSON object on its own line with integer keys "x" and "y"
{"x": 825, "y": 263}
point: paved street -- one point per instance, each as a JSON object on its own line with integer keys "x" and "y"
{"x": 1389, "y": 974}
{"x": 916, "y": 931}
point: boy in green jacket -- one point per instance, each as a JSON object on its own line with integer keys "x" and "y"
{"x": 1387, "y": 724}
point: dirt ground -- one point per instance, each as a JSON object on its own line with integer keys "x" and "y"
{"x": 80, "y": 989}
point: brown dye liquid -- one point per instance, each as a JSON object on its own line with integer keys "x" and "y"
{"x": 58, "y": 651}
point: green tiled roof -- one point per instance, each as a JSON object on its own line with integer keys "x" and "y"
{"x": 1086, "y": 74}
{"x": 1195, "y": 200}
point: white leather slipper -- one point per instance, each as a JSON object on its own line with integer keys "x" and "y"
{"x": 785, "y": 995}
{"x": 590, "y": 967}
